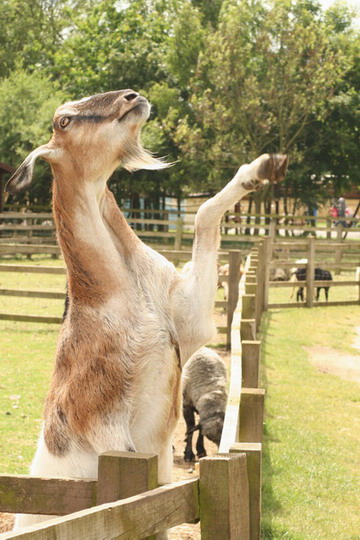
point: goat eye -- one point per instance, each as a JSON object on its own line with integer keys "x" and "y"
{"x": 64, "y": 121}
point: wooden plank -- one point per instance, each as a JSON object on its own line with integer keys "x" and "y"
{"x": 329, "y": 266}
{"x": 251, "y": 285}
{"x": 251, "y": 415}
{"x": 30, "y": 318}
{"x": 49, "y": 496}
{"x": 317, "y": 283}
{"x": 33, "y": 294}
{"x": 315, "y": 304}
{"x": 310, "y": 273}
{"x": 340, "y": 303}
{"x": 248, "y": 306}
{"x": 222, "y": 329}
{"x": 253, "y": 453}
{"x": 234, "y": 278}
{"x": 178, "y": 233}
{"x": 224, "y": 498}
{"x": 32, "y": 240}
{"x": 124, "y": 474}
{"x": 267, "y": 254}
{"x": 26, "y": 215}
{"x": 280, "y": 305}
{"x": 231, "y": 420}
{"x": 28, "y": 249}
{"x": 133, "y": 518}
{"x": 32, "y": 269}
{"x": 151, "y": 221}
{"x": 155, "y": 234}
{"x": 248, "y": 329}
{"x": 17, "y": 227}
{"x": 250, "y": 363}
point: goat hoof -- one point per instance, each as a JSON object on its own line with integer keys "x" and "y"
{"x": 189, "y": 458}
{"x": 272, "y": 167}
{"x": 202, "y": 454}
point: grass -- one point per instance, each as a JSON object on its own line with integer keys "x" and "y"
{"x": 312, "y": 431}
{"x": 27, "y": 354}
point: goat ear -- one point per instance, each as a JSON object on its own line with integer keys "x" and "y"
{"x": 22, "y": 177}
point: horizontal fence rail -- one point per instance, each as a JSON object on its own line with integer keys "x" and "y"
{"x": 176, "y": 229}
{"x": 231, "y": 279}
{"x": 125, "y": 502}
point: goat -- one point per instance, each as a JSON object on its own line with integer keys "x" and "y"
{"x": 131, "y": 320}
{"x": 204, "y": 392}
{"x": 319, "y": 275}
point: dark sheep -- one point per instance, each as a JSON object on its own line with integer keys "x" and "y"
{"x": 204, "y": 388}
{"x": 319, "y": 275}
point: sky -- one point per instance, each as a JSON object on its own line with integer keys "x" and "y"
{"x": 353, "y": 3}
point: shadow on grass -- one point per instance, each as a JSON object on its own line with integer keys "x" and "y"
{"x": 270, "y": 504}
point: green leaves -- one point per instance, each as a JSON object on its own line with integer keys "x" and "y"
{"x": 228, "y": 80}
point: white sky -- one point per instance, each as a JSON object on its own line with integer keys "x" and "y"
{"x": 353, "y": 3}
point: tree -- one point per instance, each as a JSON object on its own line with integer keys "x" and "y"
{"x": 265, "y": 74}
{"x": 28, "y": 104}
{"x": 31, "y": 31}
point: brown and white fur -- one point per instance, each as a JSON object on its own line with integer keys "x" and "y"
{"x": 132, "y": 319}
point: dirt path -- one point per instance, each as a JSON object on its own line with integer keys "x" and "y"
{"x": 328, "y": 360}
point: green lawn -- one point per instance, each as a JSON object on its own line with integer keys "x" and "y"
{"x": 312, "y": 431}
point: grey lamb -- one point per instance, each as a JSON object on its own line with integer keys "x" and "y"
{"x": 204, "y": 388}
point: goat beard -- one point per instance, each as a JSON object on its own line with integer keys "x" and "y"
{"x": 136, "y": 158}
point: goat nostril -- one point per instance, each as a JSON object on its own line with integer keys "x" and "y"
{"x": 131, "y": 96}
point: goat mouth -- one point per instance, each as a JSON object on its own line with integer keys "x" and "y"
{"x": 141, "y": 108}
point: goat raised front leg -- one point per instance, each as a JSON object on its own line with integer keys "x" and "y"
{"x": 194, "y": 296}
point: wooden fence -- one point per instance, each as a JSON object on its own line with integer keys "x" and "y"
{"x": 335, "y": 257}
{"x": 232, "y": 258}
{"x": 243, "y": 424}
{"x": 33, "y": 233}
{"x": 125, "y": 501}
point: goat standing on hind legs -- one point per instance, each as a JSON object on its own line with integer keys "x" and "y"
{"x": 132, "y": 319}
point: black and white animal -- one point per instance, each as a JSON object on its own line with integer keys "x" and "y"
{"x": 319, "y": 275}
{"x": 204, "y": 390}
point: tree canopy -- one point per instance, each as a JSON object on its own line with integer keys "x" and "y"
{"x": 228, "y": 80}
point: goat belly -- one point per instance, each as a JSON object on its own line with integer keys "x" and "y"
{"x": 157, "y": 403}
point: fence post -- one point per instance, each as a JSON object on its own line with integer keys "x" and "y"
{"x": 272, "y": 230}
{"x": 267, "y": 263}
{"x": 224, "y": 497}
{"x": 233, "y": 284}
{"x": 310, "y": 273}
{"x": 248, "y": 329}
{"x": 338, "y": 249}
{"x": 253, "y": 453}
{"x": 178, "y": 234}
{"x": 260, "y": 283}
{"x": 250, "y": 363}
{"x": 124, "y": 474}
{"x": 328, "y": 226}
{"x": 251, "y": 415}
